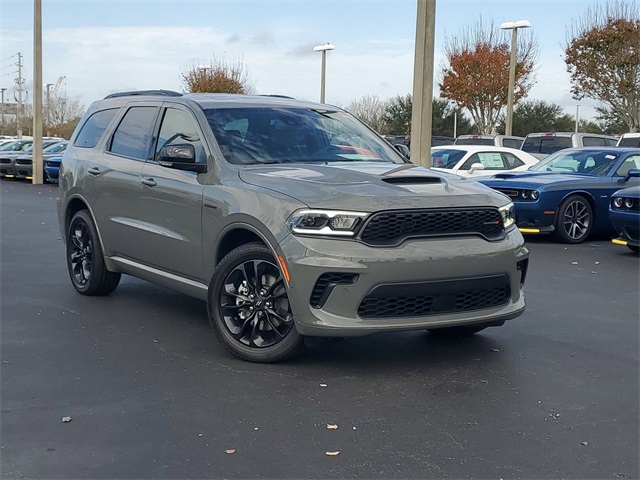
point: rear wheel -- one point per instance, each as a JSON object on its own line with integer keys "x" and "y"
{"x": 249, "y": 308}
{"x": 574, "y": 220}
{"x": 85, "y": 260}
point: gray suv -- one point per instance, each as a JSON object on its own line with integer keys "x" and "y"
{"x": 288, "y": 218}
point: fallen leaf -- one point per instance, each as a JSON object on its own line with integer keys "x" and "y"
{"x": 495, "y": 350}
{"x": 323, "y": 384}
{"x": 597, "y": 263}
{"x": 331, "y": 426}
{"x": 66, "y": 419}
{"x": 332, "y": 454}
{"x": 230, "y": 451}
{"x": 201, "y": 434}
{"x": 574, "y": 263}
{"x": 584, "y": 443}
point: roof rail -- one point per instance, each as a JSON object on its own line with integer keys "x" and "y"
{"x": 161, "y": 93}
{"x": 275, "y": 95}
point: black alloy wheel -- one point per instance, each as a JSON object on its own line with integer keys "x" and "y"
{"x": 574, "y": 220}
{"x": 85, "y": 261}
{"x": 249, "y": 306}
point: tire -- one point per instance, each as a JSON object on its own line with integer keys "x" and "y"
{"x": 461, "y": 331}
{"x": 85, "y": 260}
{"x": 249, "y": 308}
{"x": 634, "y": 248}
{"x": 574, "y": 221}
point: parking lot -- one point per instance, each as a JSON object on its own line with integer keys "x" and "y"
{"x": 152, "y": 394}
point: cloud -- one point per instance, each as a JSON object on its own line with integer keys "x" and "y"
{"x": 303, "y": 50}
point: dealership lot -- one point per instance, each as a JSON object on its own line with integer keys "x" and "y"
{"x": 151, "y": 393}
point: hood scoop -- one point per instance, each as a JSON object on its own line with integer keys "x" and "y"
{"x": 414, "y": 180}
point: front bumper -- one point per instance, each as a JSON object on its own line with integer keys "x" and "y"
{"x": 7, "y": 167}
{"x": 627, "y": 225}
{"x": 531, "y": 218}
{"x": 23, "y": 171}
{"x": 432, "y": 263}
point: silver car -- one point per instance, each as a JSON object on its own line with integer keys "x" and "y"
{"x": 289, "y": 218}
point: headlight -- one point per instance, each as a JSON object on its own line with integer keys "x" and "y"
{"x": 617, "y": 202}
{"x": 508, "y": 214}
{"x": 525, "y": 194}
{"x": 628, "y": 202}
{"x": 326, "y": 222}
{"x": 535, "y": 195}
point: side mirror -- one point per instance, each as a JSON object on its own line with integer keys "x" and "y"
{"x": 476, "y": 166}
{"x": 403, "y": 149}
{"x": 632, "y": 173}
{"x": 180, "y": 157}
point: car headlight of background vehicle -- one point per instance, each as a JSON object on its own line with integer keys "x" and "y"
{"x": 617, "y": 202}
{"x": 326, "y": 222}
{"x": 530, "y": 195}
{"x": 508, "y": 214}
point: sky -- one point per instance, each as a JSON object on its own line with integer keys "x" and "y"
{"x": 104, "y": 47}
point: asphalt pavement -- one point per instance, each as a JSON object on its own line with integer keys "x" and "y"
{"x": 151, "y": 394}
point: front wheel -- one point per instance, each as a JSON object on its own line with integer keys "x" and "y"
{"x": 249, "y": 307}
{"x": 85, "y": 261}
{"x": 574, "y": 220}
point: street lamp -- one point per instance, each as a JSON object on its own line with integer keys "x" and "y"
{"x": 323, "y": 49}
{"x": 2, "y": 89}
{"x": 513, "y": 26}
{"x": 577, "y": 117}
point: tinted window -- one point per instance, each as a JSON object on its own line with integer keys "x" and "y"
{"x": 610, "y": 142}
{"x": 593, "y": 142}
{"x": 286, "y": 135}
{"x": 56, "y": 147}
{"x": 630, "y": 142}
{"x": 133, "y": 135}
{"x": 546, "y": 145}
{"x": 94, "y": 127}
{"x": 178, "y": 128}
{"x": 475, "y": 141}
{"x": 511, "y": 143}
{"x": 446, "y": 158}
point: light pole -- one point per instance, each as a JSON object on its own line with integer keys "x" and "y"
{"x": 513, "y": 26}
{"x": 577, "y": 117}
{"x": 323, "y": 49}
{"x": 48, "y": 115}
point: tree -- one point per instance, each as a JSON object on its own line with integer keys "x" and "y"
{"x": 475, "y": 74}
{"x": 397, "y": 115}
{"x": 61, "y": 113}
{"x": 602, "y": 55}
{"x": 370, "y": 110}
{"x": 538, "y": 116}
{"x": 443, "y": 118}
{"x": 219, "y": 76}
{"x": 609, "y": 122}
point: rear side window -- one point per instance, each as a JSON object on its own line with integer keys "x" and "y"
{"x": 594, "y": 142}
{"x": 511, "y": 143}
{"x": 94, "y": 128}
{"x": 133, "y": 135}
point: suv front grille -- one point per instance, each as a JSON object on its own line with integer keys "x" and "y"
{"x": 392, "y": 228}
{"x": 433, "y": 298}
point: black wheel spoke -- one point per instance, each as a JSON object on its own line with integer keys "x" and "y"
{"x": 275, "y": 329}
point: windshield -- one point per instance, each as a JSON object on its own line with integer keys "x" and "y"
{"x": 249, "y": 136}
{"x": 56, "y": 147}
{"x": 446, "y": 158}
{"x": 592, "y": 162}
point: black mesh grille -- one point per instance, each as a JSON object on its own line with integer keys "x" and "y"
{"x": 5, "y": 160}
{"x": 392, "y": 228}
{"x": 326, "y": 283}
{"x": 23, "y": 161}
{"x": 439, "y": 298}
{"x": 522, "y": 266}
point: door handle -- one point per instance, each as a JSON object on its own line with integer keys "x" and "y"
{"x": 149, "y": 182}
{"x": 94, "y": 171}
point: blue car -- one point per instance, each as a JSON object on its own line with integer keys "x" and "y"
{"x": 624, "y": 212}
{"x": 52, "y": 169}
{"x": 568, "y": 193}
